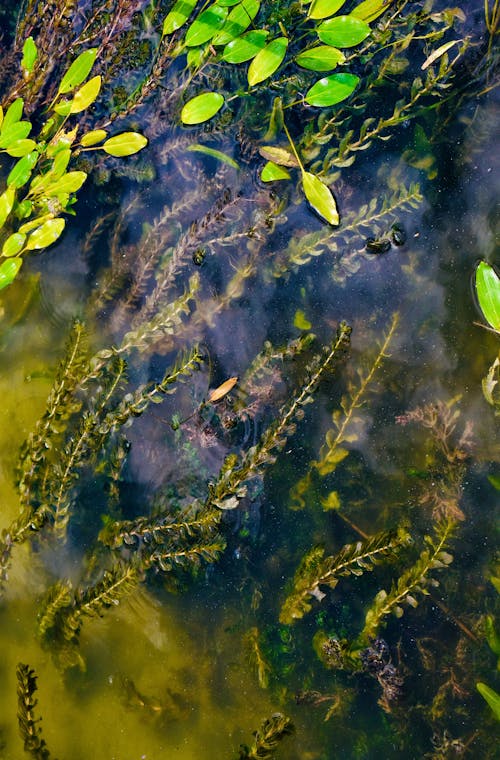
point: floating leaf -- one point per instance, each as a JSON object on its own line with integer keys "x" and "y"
{"x": 20, "y": 148}
{"x": 30, "y": 54}
{"x": 238, "y": 20}
{"x": 369, "y": 10}
{"x": 280, "y": 156}
{"x": 331, "y": 90}
{"x": 491, "y": 697}
{"x": 68, "y": 183}
{"x": 214, "y": 154}
{"x": 14, "y": 133}
{"x": 8, "y": 271}
{"x": 300, "y": 321}
{"x": 488, "y": 293}
{"x": 206, "y": 25}
{"x": 272, "y": 172}
{"x": 34, "y": 223}
{"x": 45, "y": 235}
{"x": 245, "y": 47}
{"x": 321, "y": 58}
{"x": 201, "y": 108}
{"x": 267, "y": 61}
{"x": 178, "y": 15}
{"x": 14, "y": 244}
{"x": 13, "y": 114}
{"x": 86, "y": 95}
{"x": 125, "y": 144}
{"x": 6, "y": 203}
{"x": 324, "y": 8}
{"x": 21, "y": 171}
{"x": 222, "y": 390}
{"x": 78, "y": 71}
{"x": 343, "y": 31}
{"x": 320, "y": 197}
{"x": 60, "y": 163}
{"x": 1, "y": 116}
{"x": 93, "y": 137}
{"x": 438, "y": 53}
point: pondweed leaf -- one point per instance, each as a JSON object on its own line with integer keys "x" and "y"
{"x": 178, "y": 15}
{"x": 272, "y": 172}
{"x": 78, "y": 71}
{"x": 13, "y": 133}
{"x": 324, "y": 8}
{"x": 13, "y": 113}
{"x": 201, "y": 108}
{"x": 21, "y": 171}
{"x": 280, "y": 156}
{"x": 331, "y": 90}
{"x": 267, "y": 61}
{"x": 68, "y": 183}
{"x": 491, "y": 697}
{"x": 86, "y": 95}
{"x": 14, "y": 244}
{"x": 206, "y": 25}
{"x": 238, "y": 21}
{"x": 45, "y": 235}
{"x": 217, "y": 154}
{"x": 245, "y": 47}
{"x": 8, "y": 271}
{"x": 222, "y": 390}
{"x": 438, "y": 53}
{"x": 369, "y": 10}
{"x": 320, "y": 58}
{"x": 6, "y": 203}
{"x": 30, "y": 54}
{"x": 320, "y": 198}
{"x": 93, "y": 137}
{"x": 125, "y": 144}
{"x": 20, "y": 148}
{"x": 343, "y": 31}
{"x": 488, "y": 293}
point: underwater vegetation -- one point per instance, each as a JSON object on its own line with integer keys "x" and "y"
{"x": 249, "y": 456}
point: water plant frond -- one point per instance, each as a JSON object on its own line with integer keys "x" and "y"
{"x": 29, "y": 726}
{"x": 268, "y": 738}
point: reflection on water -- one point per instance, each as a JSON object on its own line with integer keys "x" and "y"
{"x": 201, "y": 651}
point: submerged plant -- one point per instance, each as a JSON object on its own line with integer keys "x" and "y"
{"x": 30, "y": 732}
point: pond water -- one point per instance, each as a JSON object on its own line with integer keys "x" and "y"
{"x": 153, "y": 593}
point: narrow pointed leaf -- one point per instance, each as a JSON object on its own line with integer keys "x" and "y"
{"x": 321, "y": 58}
{"x": 245, "y": 47}
{"x": 125, "y": 144}
{"x": 343, "y": 31}
{"x": 320, "y": 198}
{"x": 201, "y": 108}
{"x": 45, "y": 235}
{"x": 267, "y": 61}
{"x": 488, "y": 294}
{"x": 78, "y": 71}
{"x": 178, "y": 15}
{"x": 30, "y": 54}
{"x": 438, "y": 53}
{"x": 331, "y": 90}
{"x": 237, "y": 22}
{"x": 86, "y": 95}
{"x": 213, "y": 153}
{"x": 272, "y": 172}
{"x": 324, "y": 8}
{"x": 206, "y": 25}
{"x": 8, "y": 271}
{"x": 14, "y": 244}
{"x": 491, "y": 697}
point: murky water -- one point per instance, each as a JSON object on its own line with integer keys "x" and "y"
{"x": 192, "y": 661}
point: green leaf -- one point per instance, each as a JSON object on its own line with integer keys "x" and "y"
{"x": 245, "y": 47}
{"x": 369, "y": 10}
{"x": 300, "y": 320}
{"x": 20, "y": 148}
{"x": 178, "y": 15}
{"x": 201, "y": 108}
{"x": 78, "y": 71}
{"x": 491, "y": 697}
{"x": 14, "y": 113}
{"x": 60, "y": 163}
{"x": 280, "y": 156}
{"x": 6, "y": 203}
{"x": 272, "y": 172}
{"x": 14, "y": 132}
{"x": 343, "y": 31}
{"x": 34, "y": 223}
{"x": 21, "y": 171}
{"x": 8, "y": 271}
{"x": 321, "y": 58}
{"x": 320, "y": 198}
{"x": 206, "y": 25}
{"x": 63, "y": 108}
{"x": 214, "y": 154}
{"x": 495, "y": 482}
{"x": 30, "y": 54}
{"x": 267, "y": 61}
{"x": 331, "y": 90}
{"x": 93, "y": 137}
{"x": 324, "y": 8}
{"x": 68, "y": 183}
{"x": 86, "y": 95}
{"x": 14, "y": 244}
{"x": 45, "y": 235}
{"x": 1, "y": 116}
{"x": 125, "y": 144}
{"x": 238, "y": 20}
{"x": 488, "y": 294}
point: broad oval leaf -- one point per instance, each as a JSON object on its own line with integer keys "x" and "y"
{"x": 488, "y": 294}
{"x": 20, "y": 148}
{"x": 68, "y": 183}
{"x": 45, "y": 235}
{"x": 14, "y": 113}
{"x": 6, "y": 203}
{"x": 14, "y": 132}
{"x": 272, "y": 172}
{"x": 369, "y": 10}
{"x": 331, "y": 90}
{"x": 277, "y": 155}
{"x": 343, "y": 31}
{"x": 320, "y": 58}
{"x": 201, "y": 108}
{"x": 125, "y": 144}
{"x": 30, "y": 54}
{"x": 93, "y": 137}
{"x": 324, "y": 8}
{"x": 245, "y": 47}
{"x": 237, "y": 22}
{"x": 178, "y": 15}
{"x": 86, "y": 95}
{"x": 206, "y": 25}
{"x": 34, "y": 223}
{"x": 78, "y": 71}
{"x": 14, "y": 244}
{"x": 267, "y": 61}
{"x": 21, "y": 171}
{"x": 8, "y": 271}
{"x": 320, "y": 198}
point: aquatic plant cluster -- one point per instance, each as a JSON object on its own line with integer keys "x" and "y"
{"x": 243, "y": 177}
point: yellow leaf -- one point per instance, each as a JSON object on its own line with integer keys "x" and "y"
{"x": 222, "y": 390}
